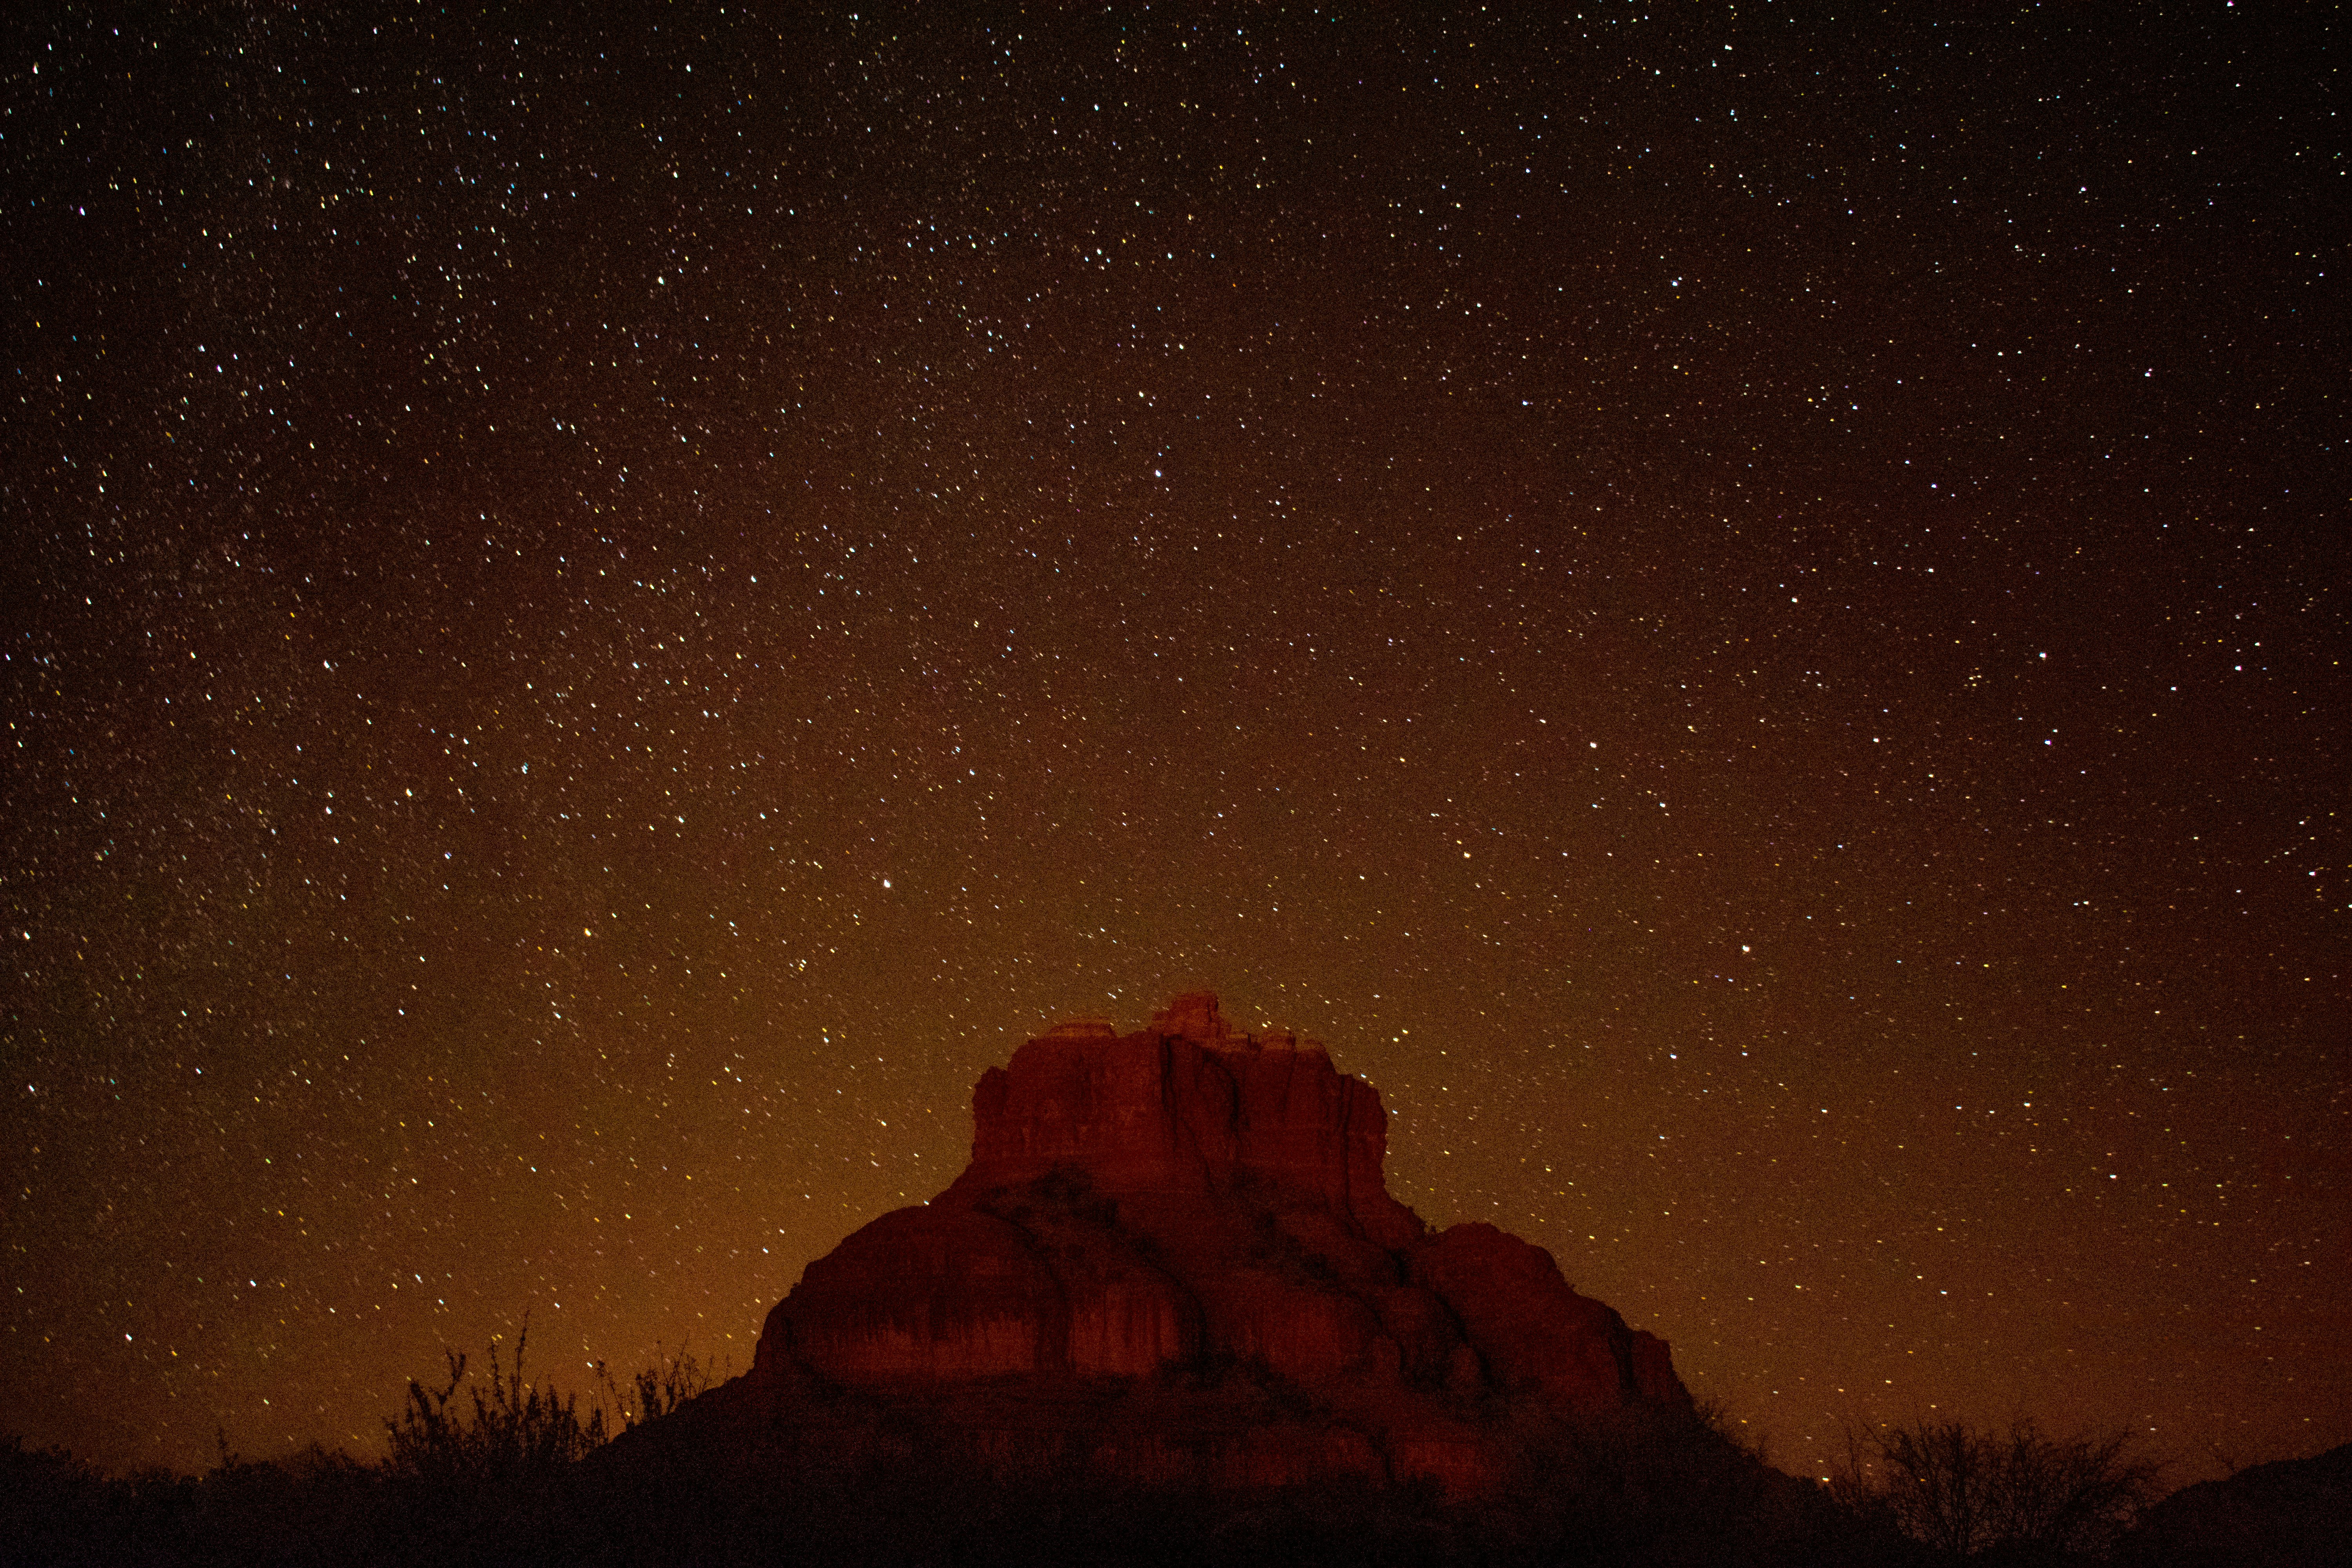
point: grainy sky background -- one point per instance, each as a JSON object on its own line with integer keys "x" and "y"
{"x": 1743, "y": 608}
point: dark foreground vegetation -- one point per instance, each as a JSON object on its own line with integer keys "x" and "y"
{"x": 496, "y": 1471}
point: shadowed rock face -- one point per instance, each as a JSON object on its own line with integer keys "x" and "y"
{"x": 2288, "y": 1514}
{"x": 1173, "y": 1259}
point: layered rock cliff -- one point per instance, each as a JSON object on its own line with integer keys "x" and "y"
{"x": 1173, "y": 1258}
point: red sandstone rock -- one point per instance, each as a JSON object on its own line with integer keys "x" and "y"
{"x": 1534, "y": 1331}
{"x": 1173, "y": 1258}
{"x": 1187, "y": 1105}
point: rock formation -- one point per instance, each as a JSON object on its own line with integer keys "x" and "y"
{"x": 2288, "y": 1514}
{"x": 1173, "y": 1259}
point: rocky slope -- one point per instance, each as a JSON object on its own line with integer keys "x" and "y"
{"x": 1173, "y": 1259}
{"x": 2295, "y": 1513}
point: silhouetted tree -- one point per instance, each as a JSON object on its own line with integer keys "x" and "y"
{"x": 1964, "y": 1493}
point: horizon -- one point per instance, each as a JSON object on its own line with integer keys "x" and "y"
{"x": 597, "y": 1388}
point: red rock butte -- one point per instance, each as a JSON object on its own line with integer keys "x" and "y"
{"x": 1173, "y": 1259}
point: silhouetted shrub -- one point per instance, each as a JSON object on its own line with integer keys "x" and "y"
{"x": 508, "y": 1431}
{"x": 654, "y": 1391}
{"x": 2023, "y": 1497}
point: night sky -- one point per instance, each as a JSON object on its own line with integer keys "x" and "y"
{"x": 1746, "y": 612}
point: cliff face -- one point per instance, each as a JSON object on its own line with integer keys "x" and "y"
{"x": 1187, "y": 1106}
{"x": 1173, "y": 1258}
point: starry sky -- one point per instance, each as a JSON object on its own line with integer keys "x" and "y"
{"x": 1743, "y": 607}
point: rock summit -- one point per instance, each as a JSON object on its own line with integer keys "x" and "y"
{"x": 1173, "y": 1260}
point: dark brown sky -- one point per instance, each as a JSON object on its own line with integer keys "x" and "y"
{"x": 1746, "y": 615}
